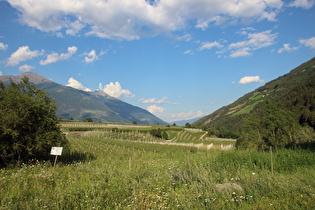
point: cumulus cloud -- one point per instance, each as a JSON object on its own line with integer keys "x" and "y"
{"x": 308, "y": 42}
{"x": 26, "y": 68}
{"x": 91, "y": 56}
{"x": 0, "y": 73}
{"x": 253, "y": 42}
{"x": 209, "y": 45}
{"x": 306, "y": 4}
{"x": 287, "y": 48}
{"x": 115, "y": 90}
{"x": 121, "y": 19}
{"x": 242, "y": 52}
{"x": 75, "y": 27}
{"x": 3, "y": 46}
{"x": 22, "y": 54}
{"x": 77, "y": 85}
{"x": 55, "y": 57}
{"x": 250, "y": 79}
{"x": 154, "y": 109}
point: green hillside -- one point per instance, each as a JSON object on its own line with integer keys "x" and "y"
{"x": 79, "y": 105}
{"x": 292, "y": 93}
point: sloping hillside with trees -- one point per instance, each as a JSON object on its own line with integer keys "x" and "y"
{"x": 282, "y": 110}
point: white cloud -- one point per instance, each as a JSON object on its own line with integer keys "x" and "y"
{"x": 75, "y": 27}
{"x": 22, "y": 54}
{"x": 242, "y": 52}
{"x": 190, "y": 52}
{"x": 185, "y": 37}
{"x": 121, "y": 19}
{"x": 90, "y": 57}
{"x": 3, "y": 46}
{"x": 170, "y": 117}
{"x": 156, "y": 101}
{"x": 115, "y": 90}
{"x": 254, "y": 41}
{"x": 153, "y": 101}
{"x": 1, "y": 73}
{"x": 26, "y": 68}
{"x": 55, "y": 57}
{"x": 306, "y": 4}
{"x": 287, "y": 48}
{"x": 77, "y": 85}
{"x": 308, "y": 42}
{"x": 250, "y": 79}
{"x": 209, "y": 45}
{"x": 154, "y": 109}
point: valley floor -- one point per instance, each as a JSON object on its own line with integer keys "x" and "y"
{"x": 102, "y": 173}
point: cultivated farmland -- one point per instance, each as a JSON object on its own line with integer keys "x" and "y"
{"x": 126, "y": 168}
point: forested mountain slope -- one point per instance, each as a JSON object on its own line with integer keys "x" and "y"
{"x": 292, "y": 92}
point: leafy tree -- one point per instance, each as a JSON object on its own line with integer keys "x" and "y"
{"x": 213, "y": 132}
{"x": 164, "y": 135}
{"x": 115, "y": 130}
{"x": 156, "y": 133}
{"x": 28, "y": 125}
{"x": 187, "y": 125}
{"x": 270, "y": 126}
{"x": 159, "y": 133}
{"x": 134, "y": 122}
{"x": 88, "y": 119}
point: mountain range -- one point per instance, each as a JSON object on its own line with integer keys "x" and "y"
{"x": 293, "y": 92}
{"x": 183, "y": 122}
{"x": 76, "y": 104}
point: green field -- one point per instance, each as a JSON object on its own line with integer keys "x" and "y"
{"x": 102, "y": 170}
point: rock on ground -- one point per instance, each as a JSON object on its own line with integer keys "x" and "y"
{"x": 227, "y": 187}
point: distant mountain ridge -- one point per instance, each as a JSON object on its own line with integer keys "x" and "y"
{"x": 77, "y": 104}
{"x": 294, "y": 91}
{"x": 183, "y": 122}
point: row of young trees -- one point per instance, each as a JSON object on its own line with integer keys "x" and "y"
{"x": 28, "y": 123}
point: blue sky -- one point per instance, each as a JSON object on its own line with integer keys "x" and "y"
{"x": 179, "y": 59}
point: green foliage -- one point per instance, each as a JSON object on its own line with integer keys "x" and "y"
{"x": 28, "y": 125}
{"x": 187, "y": 125}
{"x": 88, "y": 119}
{"x": 270, "y": 126}
{"x": 80, "y": 129}
{"x": 164, "y": 135}
{"x": 158, "y": 133}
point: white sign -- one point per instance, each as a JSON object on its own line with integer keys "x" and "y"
{"x": 56, "y": 151}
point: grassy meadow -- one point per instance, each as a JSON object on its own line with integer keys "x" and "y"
{"x": 106, "y": 170}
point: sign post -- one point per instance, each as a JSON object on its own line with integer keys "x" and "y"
{"x": 57, "y": 152}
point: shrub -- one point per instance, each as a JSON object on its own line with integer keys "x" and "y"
{"x": 28, "y": 124}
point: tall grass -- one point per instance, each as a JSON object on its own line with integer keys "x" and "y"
{"x": 100, "y": 173}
